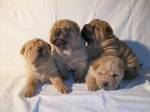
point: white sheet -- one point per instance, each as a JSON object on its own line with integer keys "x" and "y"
{"x": 21, "y": 20}
{"x": 131, "y": 96}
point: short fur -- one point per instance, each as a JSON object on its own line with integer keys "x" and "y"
{"x": 68, "y": 49}
{"x": 40, "y": 66}
{"x": 105, "y": 72}
{"x": 99, "y": 36}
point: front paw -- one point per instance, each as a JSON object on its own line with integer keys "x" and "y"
{"x": 29, "y": 92}
{"x": 92, "y": 87}
{"x": 63, "y": 89}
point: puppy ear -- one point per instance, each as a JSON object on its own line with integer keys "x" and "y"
{"x": 109, "y": 30}
{"x": 22, "y": 50}
{"x": 49, "y": 46}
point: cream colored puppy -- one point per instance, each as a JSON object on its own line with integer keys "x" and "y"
{"x": 40, "y": 66}
{"x": 105, "y": 72}
{"x": 68, "y": 49}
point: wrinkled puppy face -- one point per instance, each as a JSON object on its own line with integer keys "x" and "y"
{"x": 96, "y": 31}
{"x": 36, "y": 51}
{"x": 64, "y": 32}
{"x": 110, "y": 72}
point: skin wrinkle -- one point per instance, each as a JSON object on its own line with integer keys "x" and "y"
{"x": 109, "y": 44}
{"x": 73, "y": 56}
{"x": 40, "y": 69}
{"x": 106, "y": 67}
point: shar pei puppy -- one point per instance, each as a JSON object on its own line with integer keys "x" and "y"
{"x": 105, "y": 72}
{"x": 40, "y": 66}
{"x": 100, "y": 39}
{"x": 68, "y": 49}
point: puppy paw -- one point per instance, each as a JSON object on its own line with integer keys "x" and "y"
{"x": 63, "y": 89}
{"x": 92, "y": 88}
{"x": 29, "y": 92}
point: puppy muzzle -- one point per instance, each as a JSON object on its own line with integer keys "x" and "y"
{"x": 60, "y": 42}
{"x": 60, "y": 38}
{"x": 86, "y": 33}
{"x": 40, "y": 55}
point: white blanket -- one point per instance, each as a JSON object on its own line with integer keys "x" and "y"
{"x": 131, "y": 96}
{"x": 21, "y": 20}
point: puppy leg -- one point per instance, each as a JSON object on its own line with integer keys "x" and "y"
{"x": 31, "y": 85}
{"x": 58, "y": 83}
{"x": 81, "y": 68}
{"x": 62, "y": 70}
{"x": 90, "y": 82}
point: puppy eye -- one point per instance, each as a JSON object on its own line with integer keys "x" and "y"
{"x": 40, "y": 49}
{"x": 95, "y": 27}
{"x": 57, "y": 32}
{"x": 115, "y": 75}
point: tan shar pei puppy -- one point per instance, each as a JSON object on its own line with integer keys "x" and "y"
{"x": 68, "y": 49}
{"x": 105, "y": 72}
{"x": 100, "y": 39}
{"x": 40, "y": 66}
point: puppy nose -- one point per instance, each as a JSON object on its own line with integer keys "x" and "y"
{"x": 105, "y": 83}
{"x": 57, "y": 32}
{"x": 40, "y": 50}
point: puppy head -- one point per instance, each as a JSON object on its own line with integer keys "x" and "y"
{"x": 64, "y": 32}
{"x": 36, "y": 51}
{"x": 96, "y": 30}
{"x": 109, "y": 72}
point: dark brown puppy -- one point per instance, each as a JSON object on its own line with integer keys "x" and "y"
{"x": 99, "y": 36}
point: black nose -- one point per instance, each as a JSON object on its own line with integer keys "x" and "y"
{"x": 57, "y": 32}
{"x": 105, "y": 83}
{"x": 40, "y": 50}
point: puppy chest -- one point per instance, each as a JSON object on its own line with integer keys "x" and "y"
{"x": 69, "y": 63}
{"x": 41, "y": 77}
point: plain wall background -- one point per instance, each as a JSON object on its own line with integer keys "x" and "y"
{"x": 21, "y": 20}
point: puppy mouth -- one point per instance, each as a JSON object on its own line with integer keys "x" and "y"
{"x": 109, "y": 87}
{"x": 60, "y": 43}
{"x": 40, "y": 58}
